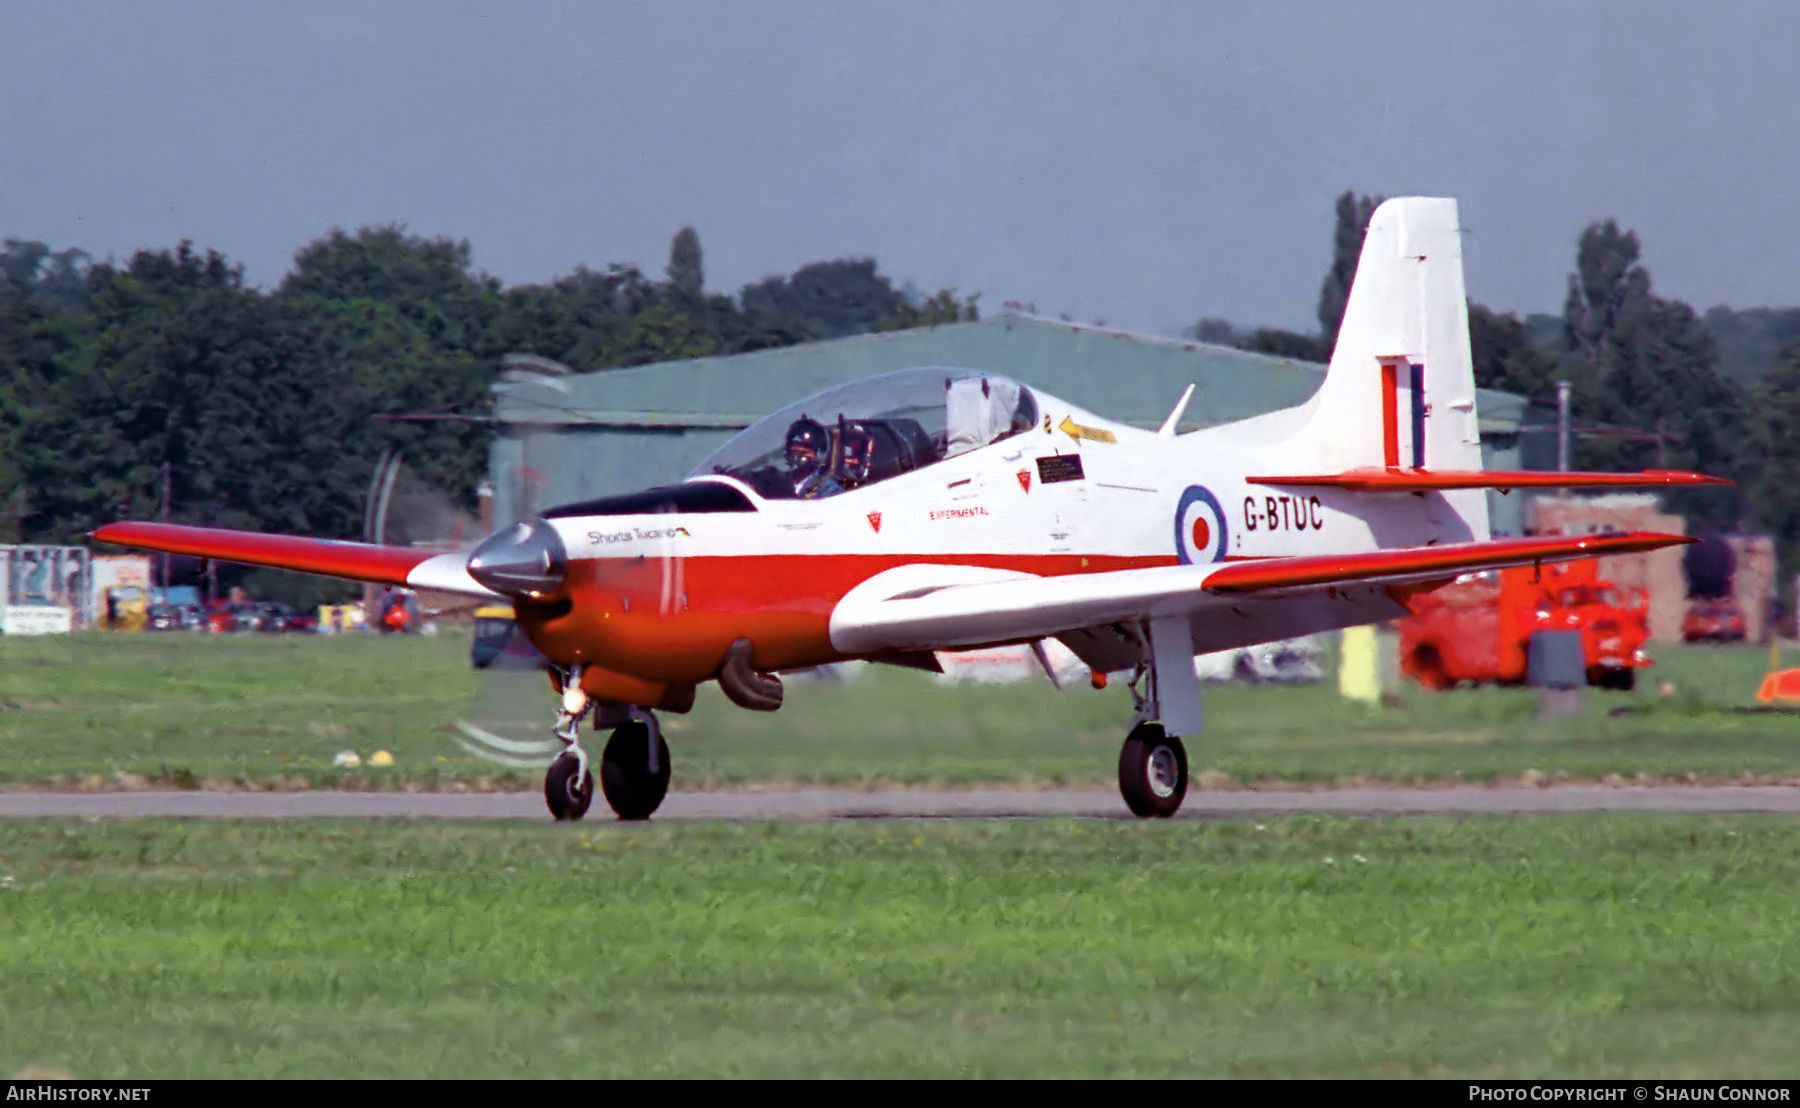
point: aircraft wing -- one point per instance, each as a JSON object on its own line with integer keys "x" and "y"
{"x": 357, "y": 561}
{"x": 937, "y": 607}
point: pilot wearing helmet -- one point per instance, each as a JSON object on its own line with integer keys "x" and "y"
{"x": 856, "y": 455}
{"x": 808, "y": 447}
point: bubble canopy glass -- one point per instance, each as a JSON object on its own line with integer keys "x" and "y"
{"x": 872, "y": 429}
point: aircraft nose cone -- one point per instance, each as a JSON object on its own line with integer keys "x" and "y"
{"x": 526, "y": 559}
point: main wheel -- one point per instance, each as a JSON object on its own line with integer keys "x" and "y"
{"x": 568, "y": 793}
{"x": 1153, "y": 772}
{"x": 1428, "y": 667}
{"x": 631, "y": 787}
{"x": 1622, "y": 678}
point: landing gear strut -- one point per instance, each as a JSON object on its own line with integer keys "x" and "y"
{"x": 569, "y": 784}
{"x": 1153, "y": 765}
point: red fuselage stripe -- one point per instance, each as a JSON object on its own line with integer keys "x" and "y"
{"x": 673, "y": 623}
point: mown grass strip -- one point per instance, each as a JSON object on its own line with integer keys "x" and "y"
{"x": 186, "y": 711}
{"x": 1579, "y": 946}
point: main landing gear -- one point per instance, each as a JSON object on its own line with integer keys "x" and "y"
{"x": 634, "y": 767}
{"x": 1153, "y": 772}
{"x": 1153, "y": 765}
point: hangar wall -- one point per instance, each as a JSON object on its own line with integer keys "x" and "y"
{"x": 595, "y": 434}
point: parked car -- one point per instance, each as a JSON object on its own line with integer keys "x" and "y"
{"x": 274, "y": 616}
{"x": 176, "y": 617}
{"x": 1713, "y": 620}
{"x": 232, "y": 616}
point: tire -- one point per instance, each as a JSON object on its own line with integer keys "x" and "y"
{"x": 1621, "y": 678}
{"x": 1153, "y": 772}
{"x": 633, "y": 791}
{"x": 1428, "y": 668}
{"x": 567, "y": 797}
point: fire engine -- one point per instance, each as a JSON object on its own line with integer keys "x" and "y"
{"x": 1478, "y": 629}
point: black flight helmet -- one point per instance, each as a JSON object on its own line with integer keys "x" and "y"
{"x": 807, "y": 443}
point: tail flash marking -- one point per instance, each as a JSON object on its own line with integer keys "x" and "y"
{"x": 1390, "y": 415}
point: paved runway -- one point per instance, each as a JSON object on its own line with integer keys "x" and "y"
{"x": 855, "y": 804}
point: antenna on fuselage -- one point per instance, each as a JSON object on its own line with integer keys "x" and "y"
{"x": 1168, "y": 428}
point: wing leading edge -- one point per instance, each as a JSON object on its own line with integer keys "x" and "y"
{"x": 927, "y": 607}
{"x": 357, "y": 561}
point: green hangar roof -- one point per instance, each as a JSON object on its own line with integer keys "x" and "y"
{"x": 579, "y": 436}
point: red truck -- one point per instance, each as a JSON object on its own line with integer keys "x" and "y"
{"x": 1478, "y": 629}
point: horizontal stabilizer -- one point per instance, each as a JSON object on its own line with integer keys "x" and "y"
{"x": 1374, "y": 479}
{"x": 357, "y": 561}
{"x": 1427, "y": 562}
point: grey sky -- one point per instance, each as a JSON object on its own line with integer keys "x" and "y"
{"x": 1141, "y": 162}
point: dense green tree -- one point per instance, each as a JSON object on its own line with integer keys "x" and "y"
{"x": 174, "y": 342}
{"x": 942, "y": 306}
{"x": 1505, "y": 357}
{"x": 1751, "y": 342}
{"x": 36, "y": 334}
{"x": 687, "y": 276}
{"x": 1347, "y": 236}
{"x": 840, "y": 297}
{"x": 1288, "y": 344}
{"x": 1774, "y": 442}
{"x": 384, "y": 263}
{"x": 271, "y": 411}
{"x": 1640, "y": 364}
{"x": 411, "y": 331}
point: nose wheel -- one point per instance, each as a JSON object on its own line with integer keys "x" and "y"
{"x": 1153, "y": 772}
{"x": 568, "y": 787}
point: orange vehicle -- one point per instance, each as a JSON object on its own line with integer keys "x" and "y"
{"x": 1713, "y": 620}
{"x": 1478, "y": 629}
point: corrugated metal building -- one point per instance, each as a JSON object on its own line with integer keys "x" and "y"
{"x": 574, "y": 437}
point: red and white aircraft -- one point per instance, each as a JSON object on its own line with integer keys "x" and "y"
{"x": 934, "y": 509}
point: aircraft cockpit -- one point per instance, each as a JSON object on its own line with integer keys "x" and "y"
{"x": 867, "y": 431}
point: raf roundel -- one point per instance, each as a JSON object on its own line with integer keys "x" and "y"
{"x": 1200, "y": 532}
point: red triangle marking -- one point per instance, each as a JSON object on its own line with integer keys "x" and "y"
{"x": 1025, "y": 479}
{"x": 875, "y": 521}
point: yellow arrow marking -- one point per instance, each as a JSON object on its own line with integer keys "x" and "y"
{"x": 1078, "y": 432}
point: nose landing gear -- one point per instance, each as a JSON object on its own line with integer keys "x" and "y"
{"x": 568, "y": 787}
{"x": 634, "y": 767}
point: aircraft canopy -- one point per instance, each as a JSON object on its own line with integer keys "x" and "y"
{"x": 869, "y": 430}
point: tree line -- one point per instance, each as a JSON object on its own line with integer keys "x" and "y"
{"x": 1654, "y": 385}
{"x": 260, "y": 406}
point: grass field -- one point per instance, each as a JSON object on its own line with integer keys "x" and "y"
{"x": 1574, "y": 946}
{"x": 188, "y": 710}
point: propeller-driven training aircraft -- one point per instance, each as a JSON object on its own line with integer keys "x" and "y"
{"x": 933, "y": 509}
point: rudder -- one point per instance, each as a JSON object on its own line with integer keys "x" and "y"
{"x": 1400, "y": 390}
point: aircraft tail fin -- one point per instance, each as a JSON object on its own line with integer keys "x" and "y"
{"x": 1400, "y": 390}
